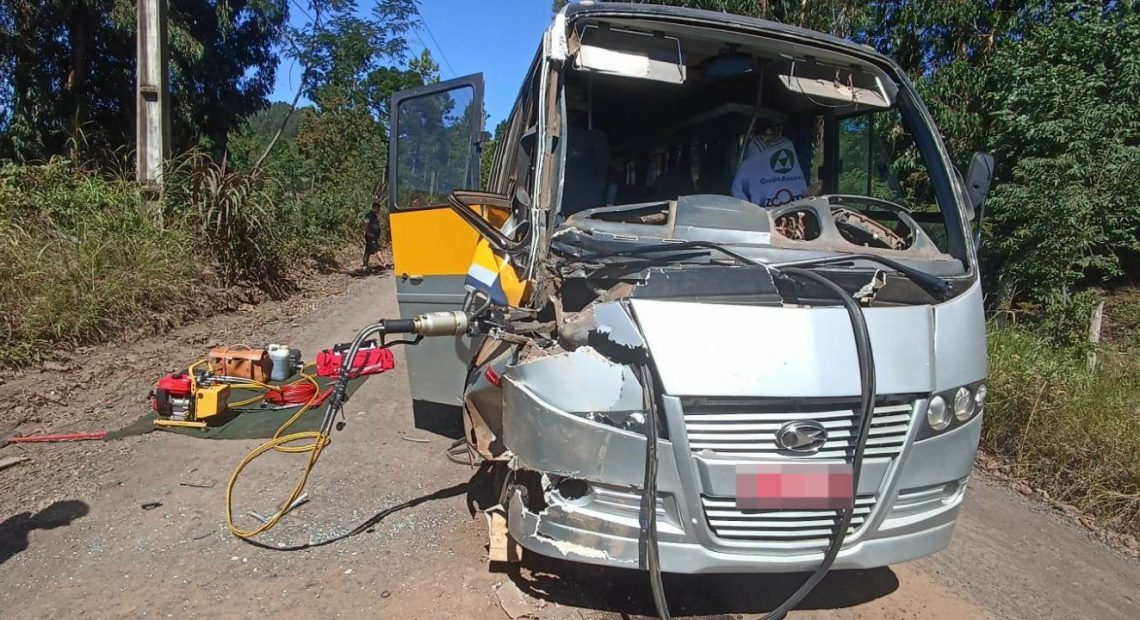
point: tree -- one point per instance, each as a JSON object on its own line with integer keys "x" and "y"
{"x": 1065, "y": 120}
{"x": 223, "y": 65}
{"x": 487, "y": 154}
{"x": 352, "y": 63}
{"x": 838, "y": 17}
{"x": 266, "y": 122}
{"x": 246, "y": 145}
{"x": 344, "y": 53}
{"x": 381, "y": 83}
{"x": 68, "y": 71}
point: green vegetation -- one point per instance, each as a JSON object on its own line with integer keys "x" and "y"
{"x": 1072, "y": 432}
{"x": 256, "y": 191}
{"x": 67, "y": 80}
{"x": 79, "y": 258}
{"x": 83, "y": 256}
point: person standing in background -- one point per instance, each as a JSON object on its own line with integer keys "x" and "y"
{"x": 372, "y": 234}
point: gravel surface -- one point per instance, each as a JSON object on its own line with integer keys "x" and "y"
{"x": 76, "y": 541}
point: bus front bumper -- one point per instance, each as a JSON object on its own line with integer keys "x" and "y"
{"x": 906, "y": 508}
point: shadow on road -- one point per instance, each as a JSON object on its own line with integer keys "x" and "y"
{"x": 14, "y": 530}
{"x": 368, "y": 525}
{"x": 357, "y": 272}
{"x": 627, "y": 591}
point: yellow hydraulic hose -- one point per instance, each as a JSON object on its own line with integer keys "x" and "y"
{"x": 442, "y": 323}
{"x": 280, "y": 443}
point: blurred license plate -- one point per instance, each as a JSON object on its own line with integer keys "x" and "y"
{"x": 803, "y": 486}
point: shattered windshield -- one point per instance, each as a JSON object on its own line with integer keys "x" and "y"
{"x": 759, "y": 151}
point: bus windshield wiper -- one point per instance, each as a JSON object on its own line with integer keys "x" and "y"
{"x": 673, "y": 246}
{"x": 938, "y": 287}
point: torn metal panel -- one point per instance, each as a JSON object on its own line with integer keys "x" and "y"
{"x": 616, "y": 336}
{"x": 579, "y": 381}
{"x": 548, "y": 439}
{"x": 534, "y": 532}
{"x": 483, "y": 399}
{"x": 613, "y": 510}
{"x": 866, "y": 295}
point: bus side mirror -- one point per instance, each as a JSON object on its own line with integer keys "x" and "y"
{"x": 978, "y": 178}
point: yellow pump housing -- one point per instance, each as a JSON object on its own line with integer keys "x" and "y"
{"x": 210, "y": 400}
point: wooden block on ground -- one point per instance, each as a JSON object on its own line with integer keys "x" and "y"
{"x": 7, "y": 462}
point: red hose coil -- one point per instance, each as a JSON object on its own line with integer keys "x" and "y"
{"x": 294, "y": 394}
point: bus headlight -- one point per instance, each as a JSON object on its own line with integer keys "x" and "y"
{"x": 937, "y": 415}
{"x": 963, "y": 404}
{"x": 948, "y": 410}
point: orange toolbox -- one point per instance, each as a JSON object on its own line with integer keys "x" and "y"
{"x": 241, "y": 361}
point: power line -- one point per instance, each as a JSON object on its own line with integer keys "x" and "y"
{"x": 437, "y": 46}
{"x": 420, "y": 39}
{"x": 302, "y": 10}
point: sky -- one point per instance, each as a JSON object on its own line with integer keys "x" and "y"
{"x": 498, "y": 38}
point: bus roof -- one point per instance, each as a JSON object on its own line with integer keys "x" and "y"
{"x": 701, "y": 17}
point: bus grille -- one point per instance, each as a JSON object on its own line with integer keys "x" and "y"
{"x": 747, "y": 428}
{"x": 792, "y": 530}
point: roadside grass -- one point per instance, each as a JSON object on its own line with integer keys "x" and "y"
{"x": 83, "y": 256}
{"x": 79, "y": 260}
{"x": 1068, "y": 430}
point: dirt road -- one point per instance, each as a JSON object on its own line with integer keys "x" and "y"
{"x": 74, "y": 540}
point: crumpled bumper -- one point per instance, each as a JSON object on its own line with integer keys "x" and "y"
{"x": 916, "y": 495}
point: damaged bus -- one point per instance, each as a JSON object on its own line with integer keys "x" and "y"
{"x": 715, "y": 307}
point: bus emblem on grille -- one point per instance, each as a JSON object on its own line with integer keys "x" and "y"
{"x": 801, "y": 436}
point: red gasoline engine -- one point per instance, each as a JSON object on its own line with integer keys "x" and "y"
{"x": 172, "y": 396}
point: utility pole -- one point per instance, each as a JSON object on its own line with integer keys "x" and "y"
{"x": 153, "y": 98}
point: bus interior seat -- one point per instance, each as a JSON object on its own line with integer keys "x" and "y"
{"x": 677, "y": 180}
{"x": 587, "y": 157}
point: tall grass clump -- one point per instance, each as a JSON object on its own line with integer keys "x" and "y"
{"x": 1069, "y": 430}
{"x": 232, "y": 215}
{"x": 80, "y": 258}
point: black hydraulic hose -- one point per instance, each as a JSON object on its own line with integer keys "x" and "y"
{"x": 383, "y": 327}
{"x": 938, "y": 287}
{"x": 649, "y": 556}
{"x": 866, "y": 412}
{"x": 648, "y": 551}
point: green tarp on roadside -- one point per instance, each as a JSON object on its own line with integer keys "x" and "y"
{"x": 256, "y": 421}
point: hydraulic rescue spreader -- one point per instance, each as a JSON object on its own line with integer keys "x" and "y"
{"x": 313, "y": 442}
